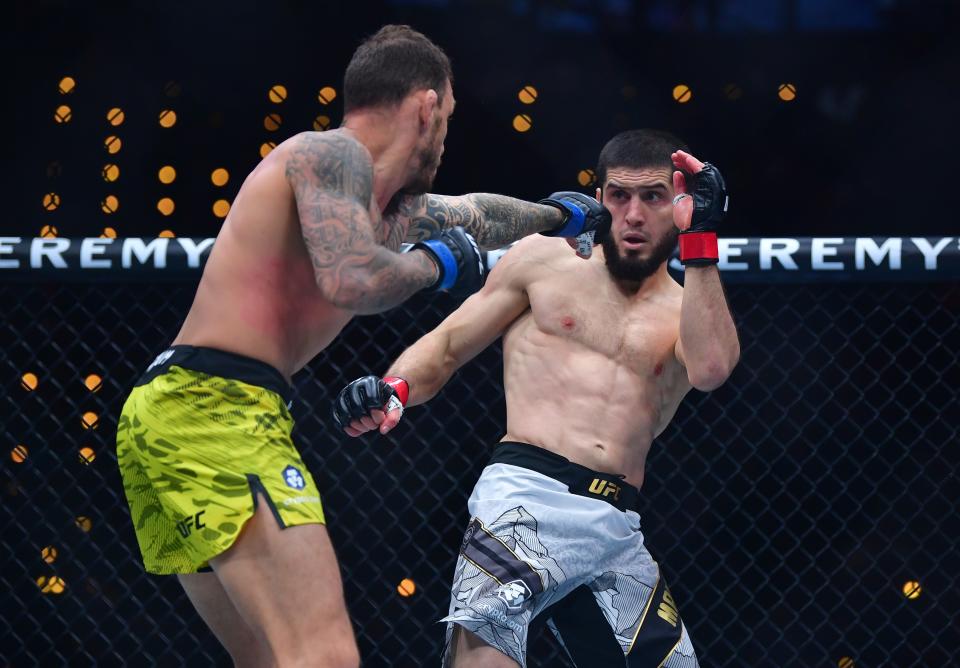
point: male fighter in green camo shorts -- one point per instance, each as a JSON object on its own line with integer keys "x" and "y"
{"x": 209, "y": 468}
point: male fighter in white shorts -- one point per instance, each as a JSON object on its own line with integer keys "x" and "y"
{"x": 597, "y": 357}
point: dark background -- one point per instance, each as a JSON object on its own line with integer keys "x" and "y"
{"x": 865, "y": 148}
{"x": 788, "y": 509}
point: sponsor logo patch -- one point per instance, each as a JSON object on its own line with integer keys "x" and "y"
{"x": 293, "y": 477}
{"x": 468, "y": 534}
{"x": 301, "y": 499}
{"x": 513, "y": 593}
{"x": 491, "y": 613}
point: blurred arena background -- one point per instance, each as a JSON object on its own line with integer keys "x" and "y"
{"x": 806, "y": 514}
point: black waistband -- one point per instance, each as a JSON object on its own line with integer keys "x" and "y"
{"x": 219, "y": 363}
{"x": 581, "y": 480}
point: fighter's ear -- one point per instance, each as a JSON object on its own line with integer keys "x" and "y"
{"x": 428, "y": 103}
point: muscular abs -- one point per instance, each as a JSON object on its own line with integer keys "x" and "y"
{"x": 590, "y": 372}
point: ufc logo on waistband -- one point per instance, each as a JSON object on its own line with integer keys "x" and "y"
{"x": 605, "y": 488}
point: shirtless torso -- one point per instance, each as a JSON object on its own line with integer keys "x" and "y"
{"x": 311, "y": 240}
{"x": 589, "y": 371}
{"x": 594, "y": 367}
{"x": 597, "y": 357}
{"x": 280, "y": 282}
{"x": 258, "y": 296}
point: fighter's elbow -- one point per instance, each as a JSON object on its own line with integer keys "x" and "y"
{"x": 705, "y": 381}
{"x": 353, "y": 292}
{"x": 357, "y": 306}
{"x": 713, "y": 372}
{"x": 360, "y": 306}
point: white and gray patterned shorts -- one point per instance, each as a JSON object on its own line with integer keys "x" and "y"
{"x": 553, "y": 542}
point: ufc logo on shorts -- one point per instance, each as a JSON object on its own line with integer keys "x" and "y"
{"x": 605, "y": 488}
{"x": 189, "y": 523}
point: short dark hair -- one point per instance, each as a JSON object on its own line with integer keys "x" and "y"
{"x": 637, "y": 149}
{"x": 391, "y": 64}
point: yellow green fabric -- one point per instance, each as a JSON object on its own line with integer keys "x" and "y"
{"x": 193, "y": 449}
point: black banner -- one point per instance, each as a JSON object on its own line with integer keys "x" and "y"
{"x": 95, "y": 259}
{"x": 831, "y": 260}
{"x": 742, "y": 260}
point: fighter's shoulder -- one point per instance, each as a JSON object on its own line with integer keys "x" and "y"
{"x": 332, "y": 161}
{"x": 533, "y": 256}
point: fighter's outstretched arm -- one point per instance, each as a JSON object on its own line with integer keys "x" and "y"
{"x": 429, "y": 363}
{"x": 425, "y": 367}
{"x": 493, "y": 220}
{"x": 332, "y": 180}
{"x": 497, "y": 220}
{"x": 708, "y": 345}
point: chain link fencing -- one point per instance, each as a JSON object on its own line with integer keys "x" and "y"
{"x": 804, "y": 514}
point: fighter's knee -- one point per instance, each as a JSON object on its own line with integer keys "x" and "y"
{"x": 253, "y": 654}
{"x": 247, "y": 649}
{"x": 332, "y": 653}
{"x": 468, "y": 650}
{"x": 348, "y": 657}
{"x": 337, "y": 647}
{"x": 256, "y": 655}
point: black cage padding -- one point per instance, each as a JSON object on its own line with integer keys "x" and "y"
{"x": 788, "y": 508}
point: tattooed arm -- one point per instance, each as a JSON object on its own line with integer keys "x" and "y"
{"x": 332, "y": 178}
{"x": 493, "y": 220}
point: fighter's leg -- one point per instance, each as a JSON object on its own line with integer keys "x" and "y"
{"x": 500, "y": 583}
{"x": 246, "y": 647}
{"x": 286, "y": 584}
{"x": 617, "y": 619}
{"x": 469, "y": 651}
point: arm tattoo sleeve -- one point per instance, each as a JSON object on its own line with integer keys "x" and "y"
{"x": 332, "y": 179}
{"x": 493, "y": 220}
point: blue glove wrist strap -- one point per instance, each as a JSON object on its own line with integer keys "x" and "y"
{"x": 448, "y": 263}
{"x": 575, "y": 222}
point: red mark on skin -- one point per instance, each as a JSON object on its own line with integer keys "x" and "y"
{"x": 567, "y": 322}
{"x": 657, "y": 370}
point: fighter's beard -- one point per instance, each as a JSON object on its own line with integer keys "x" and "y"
{"x": 423, "y": 181}
{"x": 626, "y": 268}
{"x": 429, "y": 159}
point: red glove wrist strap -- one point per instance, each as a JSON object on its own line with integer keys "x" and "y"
{"x": 699, "y": 246}
{"x": 399, "y": 386}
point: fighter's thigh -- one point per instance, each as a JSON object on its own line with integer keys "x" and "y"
{"x": 286, "y": 582}
{"x": 619, "y": 618}
{"x": 469, "y": 651}
{"x": 207, "y": 595}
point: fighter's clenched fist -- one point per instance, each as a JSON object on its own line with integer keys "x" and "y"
{"x": 369, "y": 403}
